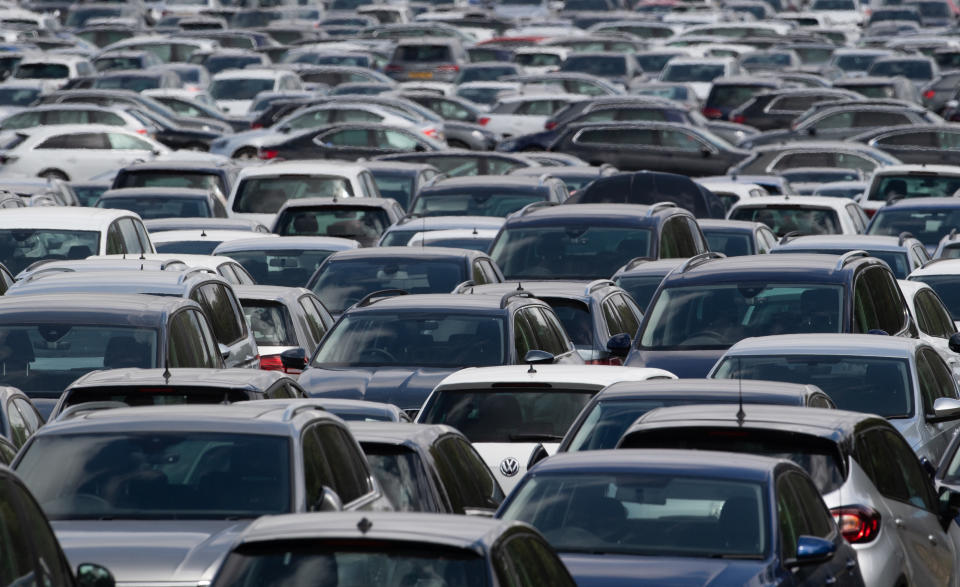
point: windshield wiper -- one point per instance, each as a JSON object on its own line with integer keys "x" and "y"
{"x": 737, "y": 556}
{"x": 535, "y": 438}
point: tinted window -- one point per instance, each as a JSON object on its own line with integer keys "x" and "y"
{"x": 932, "y": 317}
{"x": 791, "y": 218}
{"x": 265, "y": 195}
{"x": 348, "y": 467}
{"x": 223, "y": 313}
{"x": 269, "y": 322}
{"x": 187, "y": 345}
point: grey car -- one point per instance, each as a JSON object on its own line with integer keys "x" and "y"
{"x": 186, "y": 480}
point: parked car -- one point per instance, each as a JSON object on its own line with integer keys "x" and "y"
{"x": 287, "y": 261}
{"x": 802, "y": 214}
{"x": 151, "y": 203}
{"x": 903, "y": 253}
{"x": 363, "y": 220}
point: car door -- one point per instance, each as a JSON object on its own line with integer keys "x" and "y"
{"x": 78, "y": 155}
{"x": 936, "y": 381}
{"x": 344, "y": 143}
{"x": 125, "y": 149}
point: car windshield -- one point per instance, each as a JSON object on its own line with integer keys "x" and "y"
{"x": 20, "y": 247}
{"x": 717, "y": 316}
{"x": 947, "y": 287}
{"x": 652, "y": 514}
{"x": 179, "y": 178}
{"x": 384, "y": 563}
{"x": 731, "y": 244}
{"x": 508, "y": 414}
{"x": 568, "y": 252}
{"x": 269, "y": 322}
{"x": 445, "y": 340}
{"x": 343, "y": 283}
{"x": 537, "y": 59}
{"x": 934, "y": 9}
{"x": 474, "y": 243}
{"x": 401, "y": 475}
{"x": 135, "y": 83}
{"x": 898, "y": 187}
{"x": 730, "y": 96}
{"x": 594, "y": 65}
{"x": 223, "y": 62}
{"x": 155, "y": 395}
{"x": 487, "y": 96}
{"x": 18, "y": 96}
{"x": 284, "y": 267}
{"x": 640, "y": 287}
{"x": 877, "y": 385}
{"x": 478, "y": 202}
{"x": 928, "y": 225}
{"x": 239, "y": 89}
{"x": 855, "y": 62}
{"x": 398, "y": 186}
{"x": 160, "y": 207}
{"x": 158, "y": 475}
{"x": 423, "y": 53}
{"x": 265, "y": 195}
{"x": 41, "y": 71}
{"x": 361, "y": 223}
{"x": 89, "y": 194}
{"x": 897, "y": 260}
{"x": 693, "y": 72}
{"x": 791, "y": 218}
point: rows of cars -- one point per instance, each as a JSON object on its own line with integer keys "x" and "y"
{"x": 594, "y": 292}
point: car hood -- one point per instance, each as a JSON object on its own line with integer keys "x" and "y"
{"x": 407, "y": 387}
{"x": 150, "y": 550}
{"x": 636, "y": 571}
{"x": 683, "y": 364}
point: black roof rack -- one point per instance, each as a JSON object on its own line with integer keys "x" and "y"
{"x": 597, "y": 284}
{"x": 850, "y": 256}
{"x": 905, "y": 235}
{"x": 699, "y": 260}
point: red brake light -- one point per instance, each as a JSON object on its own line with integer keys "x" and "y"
{"x": 858, "y": 523}
{"x": 393, "y": 68}
{"x": 550, "y": 125}
{"x": 255, "y": 125}
{"x": 483, "y": 120}
{"x": 430, "y": 132}
{"x": 268, "y": 153}
{"x": 448, "y": 68}
{"x": 271, "y": 363}
{"x": 738, "y": 118}
{"x": 141, "y": 131}
{"x": 929, "y": 94}
{"x": 869, "y": 212}
{"x": 712, "y": 113}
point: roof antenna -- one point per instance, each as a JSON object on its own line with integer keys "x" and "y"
{"x": 531, "y": 369}
{"x": 741, "y": 415}
{"x": 519, "y": 286}
{"x": 475, "y": 231}
{"x": 203, "y": 232}
{"x": 166, "y": 374}
{"x": 364, "y": 525}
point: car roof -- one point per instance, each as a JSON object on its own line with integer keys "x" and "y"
{"x": 579, "y": 290}
{"x": 251, "y": 73}
{"x": 246, "y": 379}
{"x": 940, "y": 266}
{"x": 573, "y": 376}
{"x": 178, "y": 165}
{"x": 719, "y": 224}
{"x": 909, "y": 203}
{"x": 421, "y": 223}
{"x": 80, "y": 308}
{"x": 198, "y": 234}
{"x": 483, "y": 181}
{"x": 707, "y": 390}
{"x": 167, "y": 192}
{"x": 615, "y": 214}
{"x": 827, "y": 343}
{"x": 399, "y": 433}
{"x": 404, "y": 252}
{"x": 646, "y": 266}
{"x": 453, "y": 303}
{"x": 62, "y": 218}
{"x": 851, "y": 242}
{"x": 286, "y": 243}
{"x": 154, "y": 282}
{"x": 803, "y": 268}
{"x": 356, "y": 202}
{"x": 472, "y": 533}
{"x": 697, "y": 463}
{"x": 303, "y": 167}
{"x": 797, "y": 201}
{"x": 919, "y": 169}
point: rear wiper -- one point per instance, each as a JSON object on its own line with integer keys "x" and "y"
{"x": 535, "y": 438}
{"x": 737, "y": 556}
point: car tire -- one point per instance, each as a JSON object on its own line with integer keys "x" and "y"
{"x": 245, "y": 153}
{"x": 53, "y": 174}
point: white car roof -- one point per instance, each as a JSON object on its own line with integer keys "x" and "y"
{"x": 192, "y": 261}
{"x": 741, "y": 189}
{"x": 800, "y": 201}
{"x": 938, "y": 267}
{"x": 726, "y": 61}
{"x": 304, "y": 167}
{"x": 529, "y": 97}
{"x": 62, "y": 218}
{"x": 172, "y": 236}
{"x": 826, "y": 344}
{"x": 461, "y": 233}
{"x": 258, "y": 73}
{"x": 584, "y": 376}
{"x": 898, "y": 169}
{"x": 65, "y": 129}
{"x": 53, "y": 58}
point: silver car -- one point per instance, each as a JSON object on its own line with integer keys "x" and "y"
{"x": 902, "y": 379}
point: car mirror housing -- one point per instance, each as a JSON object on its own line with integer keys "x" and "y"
{"x": 954, "y": 342}
{"x": 946, "y": 407}
{"x": 329, "y": 501}
{"x": 814, "y": 550}
{"x": 94, "y": 575}
{"x": 538, "y": 357}
{"x": 619, "y": 345}
{"x": 294, "y": 360}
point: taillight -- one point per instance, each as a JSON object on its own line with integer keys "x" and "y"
{"x": 712, "y": 113}
{"x": 430, "y": 132}
{"x": 550, "y": 125}
{"x": 858, "y": 523}
{"x": 268, "y": 153}
{"x": 929, "y": 94}
{"x": 483, "y": 120}
{"x": 255, "y": 125}
{"x": 869, "y": 212}
{"x": 448, "y": 68}
{"x": 141, "y": 131}
{"x": 738, "y": 118}
{"x": 393, "y": 68}
{"x": 271, "y": 363}
{"x": 609, "y": 361}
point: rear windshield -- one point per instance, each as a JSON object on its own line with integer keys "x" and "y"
{"x": 343, "y": 283}
{"x": 692, "y": 73}
{"x": 265, "y": 195}
{"x": 150, "y": 207}
{"x": 18, "y": 97}
{"x": 42, "y": 71}
{"x": 820, "y": 458}
{"x": 855, "y": 62}
{"x": 731, "y": 96}
{"x": 789, "y": 218}
{"x": 286, "y": 267}
{"x": 423, "y": 53}
{"x": 731, "y": 244}
{"x": 363, "y": 224}
{"x": 897, "y": 260}
{"x": 204, "y": 247}
{"x": 269, "y": 322}
{"x": 915, "y": 70}
{"x": 155, "y": 395}
{"x": 927, "y": 226}
{"x": 594, "y": 65}
{"x": 477, "y": 202}
{"x": 20, "y": 247}
{"x": 508, "y": 415}
{"x": 640, "y": 287}
{"x": 914, "y": 186}
{"x": 239, "y": 89}
{"x": 875, "y": 385}
{"x": 168, "y": 178}
{"x": 400, "y": 473}
{"x": 135, "y": 83}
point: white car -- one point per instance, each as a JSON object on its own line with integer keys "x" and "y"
{"x": 175, "y": 244}
{"x": 28, "y": 235}
{"x": 699, "y": 72}
{"x": 478, "y": 239}
{"x": 71, "y": 113}
{"x": 234, "y": 90}
{"x": 525, "y": 114}
{"x": 896, "y": 182}
{"x": 536, "y": 60}
{"x": 517, "y": 415}
{"x": 934, "y": 324}
{"x": 730, "y": 192}
{"x": 73, "y": 152}
{"x": 837, "y": 12}
{"x": 259, "y": 192}
{"x": 225, "y": 267}
{"x": 803, "y": 214}
{"x": 52, "y": 70}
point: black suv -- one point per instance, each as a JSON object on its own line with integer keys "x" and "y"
{"x": 397, "y": 349}
{"x": 591, "y": 241}
{"x": 487, "y": 195}
{"x": 708, "y": 304}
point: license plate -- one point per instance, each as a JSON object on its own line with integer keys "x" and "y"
{"x": 421, "y": 74}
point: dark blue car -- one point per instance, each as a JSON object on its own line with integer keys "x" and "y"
{"x": 691, "y": 518}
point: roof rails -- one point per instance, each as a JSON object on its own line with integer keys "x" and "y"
{"x": 633, "y": 263}
{"x": 373, "y": 297}
{"x": 533, "y": 206}
{"x": 76, "y": 410}
{"x": 433, "y": 180}
{"x": 905, "y": 235}
{"x": 850, "y": 256}
{"x": 46, "y": 273}
{"x": 789, "y": 236}
{"x": 194, "y": 271}
{"x": 657, "y": 206}
{"x": 953, "y": 234}
{"x": 699, "y": 260}
{"x": 543, "y": 178}
{"x": 597, "y": 284}
{"x": 463, "y": 285}
{"x": 292, "y": 410}
{"x": 517, "y": 293}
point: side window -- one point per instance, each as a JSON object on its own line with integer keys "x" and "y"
{"x": 209, "y": 353}
{"x": 932, "y": 316}
{"x": 819, "y": 520}
{"x": 530, "y": 563}
{"x": 351, "y": 137}
{"x": 875, "y": 456}
{"x": 790, "y": 518}
{"x": 477, "y": 274}
{"x": 676, "y": 239}
{"x": 188, "y": 346}
{"x": 29, "y": 413}
{"x": 18, "y": 427}
{"x": 86, "y": 140}
{"x": 680, "y": 141}
{"x": 945, "y": 385}
{"x": 629, "y": 314}
{"x": 545, "y": 336}
{"x": 855, "y": 217}
{"x": 489, "y": 271}
{"x": 466, "y": 477}
{"x": 523, "y": 338}
{"x": 314, "y": 322}
{"x": 919, "y": 489}
{"x": 222, "y": 312}
{"x": 131, "y": 239}
{"x": 886, "y": 300}
{"x": 115, "y": 244}
{"x": 144, "y": 237}
{"x": 53, "y": 569}
{"x": 612, "y": 318}
{"x": 351, "y": 475}
{"x": 127, "y": 143}
{"x": 316, "y": 470}
{"x": 14, "y": 538}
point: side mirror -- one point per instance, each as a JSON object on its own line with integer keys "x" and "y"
{"x": 224, "y": 350}
{"x": 705, "y": 153}
{"x": 293, "y": 360}
{"x": 538, "y": 357}
{"x": 946, "y": 407}
{"x": 329, "y": 501}
{"x": 928, "y": 467}
{"x": 284, "y": 129}
{"x": 812, "y": 131}
{"x": 93, "y": 575}
{"x": 619, "y": 345}
{"x": 814, "y": 550}
{"x": 954, "y": 342}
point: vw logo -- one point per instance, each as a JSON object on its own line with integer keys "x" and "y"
{"x": 509, "y": 467}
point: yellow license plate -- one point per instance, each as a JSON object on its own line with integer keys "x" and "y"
{"x": 421, "y": 74}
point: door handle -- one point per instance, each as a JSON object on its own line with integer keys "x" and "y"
{"x": 932, "y": 539}
{"x": 898, "y": 522}
{"x": 830, "y": 581}
{"x": 851, "y": 563}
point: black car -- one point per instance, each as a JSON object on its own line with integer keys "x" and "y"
{"x": 590, "y": 241}
{"x": 651, "y": 187}
{"x": 486, "y": 195}
{"x": 708, "y": 304}
{"x": 149, "y": 387}
{"x": 776, "y": 109}
{"x": 346, "y": 277}
{"x": 401, "y": 181}
{"x": 657, "y": 146}
{"x": 396, "y": 348}
{"x": 729, "y": 93}
{"x": 641, "y": 276}
{"x": 156, "y": 202}
{"x": 456, "y": 162}
{"x": 361, "y": 219}
{"x": 179, "y": 173}
{"x": 735, "y": 238}
{"x": 349, "y": 141}
{"x": 916, "y": 143}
